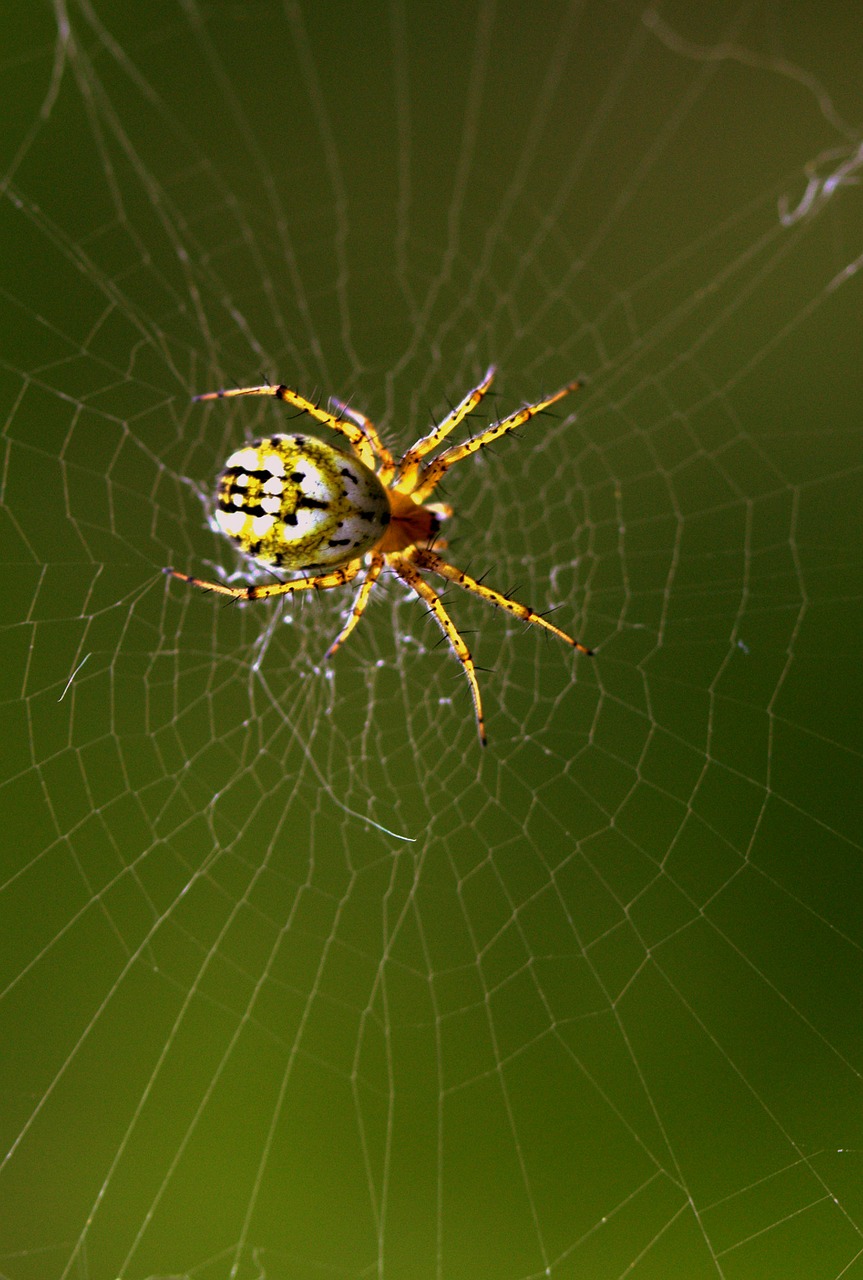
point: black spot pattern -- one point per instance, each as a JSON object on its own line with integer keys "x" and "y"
{"x": 343, "y": 529}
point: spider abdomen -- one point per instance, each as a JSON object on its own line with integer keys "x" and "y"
{"x": 298, "y": 503}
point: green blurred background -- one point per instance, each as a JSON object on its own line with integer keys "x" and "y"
{"x": 297, "y": 982}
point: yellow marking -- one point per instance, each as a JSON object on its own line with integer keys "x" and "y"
{"x": 263, "y": 591}
{"x": 430, "y": 560}
{"x": 376, "y": 564}
{"x": 326, "y": 507}
{"x": 408, "y": 468}
{"x": 415, "y": 580}
{"x": 387, "y": 464}
{"x": 431, "y": 475}
{"x": 360, "y": 442}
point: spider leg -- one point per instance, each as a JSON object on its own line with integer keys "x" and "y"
{"x": 417, "y": 583}
{"x": 426, "y": 559}
{"x": 317, "y": 581}
{"x": 388, "y": 466}
{"x": 361, "y": 443}
{"x": 376, "y": 563}
{"x": 408, "y": 468}
{"x": 431, "y": 475}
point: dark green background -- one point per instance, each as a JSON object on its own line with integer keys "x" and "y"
{"x": 296, "y": 982}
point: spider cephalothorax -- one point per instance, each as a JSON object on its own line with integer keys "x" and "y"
{"x": 295, "y": 502}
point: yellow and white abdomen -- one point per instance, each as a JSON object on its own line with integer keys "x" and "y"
{"x": 298, "y": 503}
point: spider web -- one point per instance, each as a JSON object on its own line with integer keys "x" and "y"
{"x": 297, "y": 981}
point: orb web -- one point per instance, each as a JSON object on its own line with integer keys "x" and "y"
{"x": 298, "y": 981}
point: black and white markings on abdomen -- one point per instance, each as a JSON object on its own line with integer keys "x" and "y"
{"x": 296, "y": 502}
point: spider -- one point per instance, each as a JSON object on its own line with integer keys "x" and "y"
{"x": 296, "y": 503}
